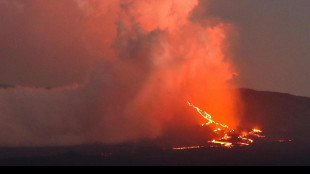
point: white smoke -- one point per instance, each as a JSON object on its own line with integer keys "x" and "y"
{"x": 143, "y": 60}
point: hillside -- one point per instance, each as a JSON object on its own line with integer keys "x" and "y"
{"x": 281, "y": 116}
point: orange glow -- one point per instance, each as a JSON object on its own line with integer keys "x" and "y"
{"x": 225, "y": 144}
{"x": 162, "y": 14}
{"x": 187, "y": 148}
{"x": 257, "y": 131}
{"x": 226, "y": 139}
{"x": 209, "y": 118}
{"x": 161, "y": 55}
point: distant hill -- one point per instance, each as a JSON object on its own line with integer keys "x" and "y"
{"x": 280, "y": 116}
{"x": 5, "y": 86}
{"x": 276, "y": 113}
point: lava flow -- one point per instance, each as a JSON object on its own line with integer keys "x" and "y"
{"x": 228, "y": 137}
{"x": 187, "y": 148}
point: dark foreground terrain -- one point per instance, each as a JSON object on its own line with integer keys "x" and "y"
{"x": 260, "y": 154}
{"x": 281, "y": 116}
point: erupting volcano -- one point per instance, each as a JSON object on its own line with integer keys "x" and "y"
{"x": 225, "y": 136}
{"x": 123, "y": 81}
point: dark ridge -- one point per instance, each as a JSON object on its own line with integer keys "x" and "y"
{"x": 5, "y": 86}
{"x": 246, "y": 90}
{"x": 280, "y": 116}
{"x": 277, "y": 113}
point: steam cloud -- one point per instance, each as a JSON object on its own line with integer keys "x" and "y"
{"x": 135, "y": 64}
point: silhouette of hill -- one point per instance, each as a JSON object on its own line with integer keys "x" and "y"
{"x": 276, "y": 113}
{"x": 281, "y": 116}
{"x": 5, "y": 86}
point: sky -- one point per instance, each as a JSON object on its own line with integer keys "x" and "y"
{"x": 271, "y": 51}
{"x": 114, "y": 71}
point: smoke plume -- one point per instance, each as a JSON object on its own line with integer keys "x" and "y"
{"x": 127, "y": 67}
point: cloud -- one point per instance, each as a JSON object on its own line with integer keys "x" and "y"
{"x": 135, "y": 63}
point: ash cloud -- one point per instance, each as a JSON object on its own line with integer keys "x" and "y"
{"x": 126, "y": 67}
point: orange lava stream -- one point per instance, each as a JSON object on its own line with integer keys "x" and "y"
{"x": 187, "y": 148}
{"x": 230, "y": 138}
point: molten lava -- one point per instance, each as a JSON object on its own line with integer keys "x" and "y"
{"x": 187, "y": 148}
{"x": 228, "y": 137}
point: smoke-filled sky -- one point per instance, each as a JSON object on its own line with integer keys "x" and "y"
{"x": 113, "y": 71}
{"x": 271, "y": 51}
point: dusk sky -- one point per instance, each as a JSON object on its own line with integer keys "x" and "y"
{"x": 272, "y": 52}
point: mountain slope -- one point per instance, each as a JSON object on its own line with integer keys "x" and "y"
{"x": 276, "y": 113}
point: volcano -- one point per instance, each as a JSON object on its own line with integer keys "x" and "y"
{"x": 283, "y": 117}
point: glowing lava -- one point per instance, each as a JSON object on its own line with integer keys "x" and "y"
{"x": 187, "y": 148}
{"x": 228, "y": 137}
